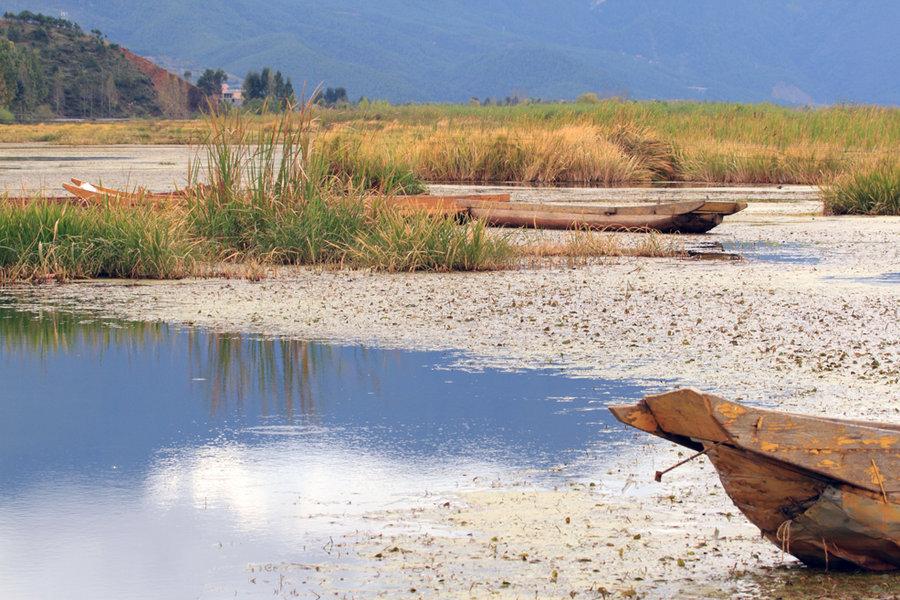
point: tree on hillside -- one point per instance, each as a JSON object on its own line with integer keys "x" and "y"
{"x": 58, "y": 93}
{"x": 173, "y": 98}
{"x": 23, "y": 85}
{"x": 332, "y": 97}
{"x": 42, "y": 20}
{"x": 210, "y": 82}
{"x": 270, "y": 87}
{"x": 110, "y": 94}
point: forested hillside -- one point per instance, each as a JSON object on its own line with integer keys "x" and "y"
{"x": 50, "y": 67}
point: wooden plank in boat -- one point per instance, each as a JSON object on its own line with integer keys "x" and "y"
{"x": 137, "y": 194}
{"x": 462, "y": 199}
{"x": 82, "y": 193}
{"x": 686, "y": 413}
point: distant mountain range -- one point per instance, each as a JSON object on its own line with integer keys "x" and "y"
{"x": 791, "y": 51}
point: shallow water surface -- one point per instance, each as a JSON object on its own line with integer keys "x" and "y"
{"x": 882, "y": 279}
{"x": 141, "y": 460}
{"x": 792, "y": 253}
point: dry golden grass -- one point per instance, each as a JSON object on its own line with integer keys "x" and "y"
{"x": 606, "y": 143}
{"x": 571, "y": 154}
{"x": 143, "y": 131}
{"x": 585, "y": 153}
{"x": 579, "y": 247}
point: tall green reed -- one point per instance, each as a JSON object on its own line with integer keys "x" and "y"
{"x": 43, "y": 239}
{"x": 274, "y": 195}
{"x": 870, "y": 191}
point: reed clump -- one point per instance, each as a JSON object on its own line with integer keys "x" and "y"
{"x": 728, "y": 163}
{"x": 870, "y": 191}
{"x": 277, "y": 196}
{"x": 656, "y": 156}
{"x": 401, "y": 241}
{"x": 367, "y": 166}
{"x": 656, "y": 141}
{"x": 269, "y": 196}
{"x": 44, "y": 239}
{"x": 571, "y": 154}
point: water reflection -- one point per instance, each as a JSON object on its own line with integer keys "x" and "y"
{"x": 143, "y": 460}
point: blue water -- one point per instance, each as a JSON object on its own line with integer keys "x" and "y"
{"x": 142, "y": 460}
{"x": 769, "y": 252}
{"x": 882, "y": 279}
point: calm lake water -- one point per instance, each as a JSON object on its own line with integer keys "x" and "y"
{"x": 146, "y": 461}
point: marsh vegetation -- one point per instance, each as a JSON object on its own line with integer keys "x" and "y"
{"x": 610, "y": 142}
{"x": 308, "y": 187}
{"x": 272, "y": 198}
{"x": 873, "y": 190}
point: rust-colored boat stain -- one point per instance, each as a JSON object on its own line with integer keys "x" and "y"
{"x": 885, "y": 442}
{"x": 731, "y": 411}
{"x": 769, "y": 446}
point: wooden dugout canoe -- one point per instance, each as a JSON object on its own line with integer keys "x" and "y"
{"x": 824, "y": 490}
{"x": 89, "y": 192}
{"x": 672, "y": 217}
{"x": 497, "y": 210}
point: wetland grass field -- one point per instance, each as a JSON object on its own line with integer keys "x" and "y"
{"x": 305, "y": 187}
{"x": 609, "y": 142}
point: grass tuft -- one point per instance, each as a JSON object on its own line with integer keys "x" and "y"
{"x": 584, "y": 245}
{"x": 44, "y": 240}
{"x": 416, "y": 241}
{"x": 871, "y": 191}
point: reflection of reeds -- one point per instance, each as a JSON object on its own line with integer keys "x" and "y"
{"x": 284, "y": 374}
{"x": 51, "y": 332}
{"x": 278, "y": 370}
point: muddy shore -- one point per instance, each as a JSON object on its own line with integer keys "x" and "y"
{"x": 807, "y": 322}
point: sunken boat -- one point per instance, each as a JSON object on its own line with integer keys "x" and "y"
{"x": 825, "y": 490}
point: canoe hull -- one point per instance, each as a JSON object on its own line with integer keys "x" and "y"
{"x": 671, "y": 217}
{"x": 824, "y": 525}
{"x": 825, "y": 490}
{"x": 537, "y": 219}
